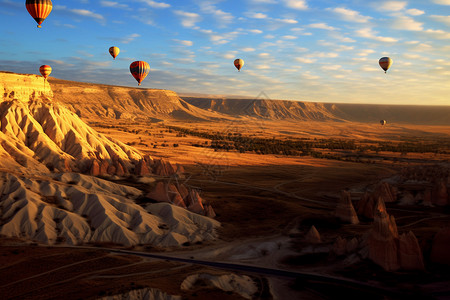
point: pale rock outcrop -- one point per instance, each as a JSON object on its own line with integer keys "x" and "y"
{"x": 409, "y": 252}
{"x": 142, "y": 294}
{"x": 313, "y": 236}
{"x": 345, "y": 210}
{"x": 441, "y": 247}
{"x": 239, "y": 284}
{"x": 77, "y": 209}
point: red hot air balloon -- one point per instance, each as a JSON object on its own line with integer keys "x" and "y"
{"x": 385, "y": 63}
{"x": 238, "y": 63}
{"x": 139, "y": 70}
{"x": 39, "y": 9}
{"x": 45, "y": 70}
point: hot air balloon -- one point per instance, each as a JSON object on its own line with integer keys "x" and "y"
{"x": 385, "y": 63}
{"x": 114, "y": 51}
{"x": 238, "y": 63}
{"x": 383, "y": 122}
{"x": 139, "y": 70}
{"x": 39, "y": 9}
{"x": 45, "y": 70}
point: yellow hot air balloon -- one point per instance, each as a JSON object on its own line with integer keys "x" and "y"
{"x": 238, "y": 63}
{"x": 383, "y": 122}
{"x": 385, "y": 63}
{"x": 114, "y": 51}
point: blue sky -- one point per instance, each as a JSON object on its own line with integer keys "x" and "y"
{"x": 324, "y": 51}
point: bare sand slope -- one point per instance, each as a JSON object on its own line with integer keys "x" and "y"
{"x": 76, "y": 209}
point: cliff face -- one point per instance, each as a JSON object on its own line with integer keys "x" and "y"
{"x": 93, "y": 101}
{"x": 23, "y": 87}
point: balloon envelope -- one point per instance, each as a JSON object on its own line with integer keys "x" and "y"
{"x": 45, "y": 70}
{"x": 114, "y": 51}
{"x": 238, "y": 63}
{"x": 139, "y": 70}
{"x": 39, "y": 9}
{"x": 385, "y": 63}
{"x": 383, "y": 122}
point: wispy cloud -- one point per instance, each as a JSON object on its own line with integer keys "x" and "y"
{"x": 406, "y": 23}
{"x": 390, "y": 5}
{"x": 321, "y": 26}
{"x": 184, "y": 42}
{"x": 155, "y": 4}
{"x": 188, "y": 19}
{"x": 296, "y": 4}
{"x": 442, "y": 19}
{"x": 350, "y": 15}
{"x": 113, "y": 4}
{"x": 219, "y": 15}
{"x": 442, "y": 2}
{"x": 305, "y": 60}
{"x": 129, "y": 38}
{"x": 414, "y": 12}
{"x": 256, "y": 15}
{"x": 257, "y": 31}
{"x": 370, "y": 34}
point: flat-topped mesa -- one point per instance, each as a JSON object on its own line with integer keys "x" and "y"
{"x": 23, "y": 88}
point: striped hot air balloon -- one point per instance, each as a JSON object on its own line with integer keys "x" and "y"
{"x": 383, "y": 122}
{"x": 238, "y": 63}
{"x": 139, "y": 69}
{"x": 385, "y": 63}
{"x": 39, "y": 9}
{"x": 45, "y": 70}
{"x": 114, "y": 51}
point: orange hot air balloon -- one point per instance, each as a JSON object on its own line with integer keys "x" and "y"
{"x": 238, "y": 63}
{"x": 385, "y": 63}
{"x": 114, "y": 51}
{"x": 45, "y": 70}
{"x": 39, "y": 9}
{"x": 139, "y": 69}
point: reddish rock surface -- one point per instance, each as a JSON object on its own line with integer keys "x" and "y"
{"x": 440, "y": 250}
{"x": 345, "y": 210}
{"x": 409, "y": 252}
{"x": 313, "y": 236}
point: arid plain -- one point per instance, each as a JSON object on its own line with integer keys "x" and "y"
{"x": 320, "y": 195}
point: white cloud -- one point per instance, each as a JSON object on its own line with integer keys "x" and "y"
{"x": 113, "y": 4}
{"x": 323, "y": 54}
{"x": 296, "y": 4}
{"x": 289, "y": 37}
{"x": 184, "y": 42}
{"x": 248, "y": 49}
{"x": 442, "y": 2}
{"x": 219, "y": 14}
{"x": 262, "y": 67}
{"x": 254, "y": 15}
{"x": 87, "y": 13}
{"x": 368, "y": 33}
{"x": 305, "y": 60}
{"x": 155, "y": 4}
{"x": 128, "y": 39}
{"x": 439, "y": 34}
{"x": 188, "y": 19}
{"x": 321, "y": 26}
{"x": 331, "y": 67}
{"x": 287, "y": 21}
{"x": 391, "y": 5}
{"x": 350, "y": 15}
{"x": 365, "y": 52}
{"x": 442, "y": 19}
{"x": 257, "y": 31}
{"x": 406, "y": 23}
{"x": 415, "y": 12}
{"x": 264, "y": 55}
{"x": 269, "y": 36}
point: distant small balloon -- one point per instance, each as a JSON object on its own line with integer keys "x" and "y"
{"x": 385, "y": 63}
{"x": 383, "y": 122}
{"x": 139, "y": 70}
{"x": 45, "y": 70}
{"x": 238, "y": 63}
{"x": 39, "y": 9}
{"x": 114, "y": 51}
